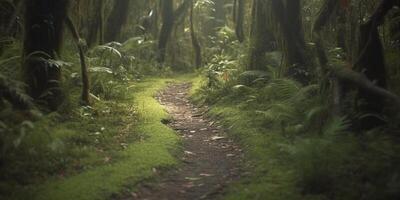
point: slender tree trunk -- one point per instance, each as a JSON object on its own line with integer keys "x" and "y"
{"x": 116, "y": 20}
{"x": 85, "y": 97}
{"x": 239, "y": 17}
{"x": 195, "y": 41}
{"x": 166, "y": 28}
{"x": 44, "y": 27}
{"x": 341, "y": 30}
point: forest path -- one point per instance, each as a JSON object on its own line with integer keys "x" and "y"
{"x": 210, "y": 160}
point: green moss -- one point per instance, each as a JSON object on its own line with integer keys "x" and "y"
{"x": 154, "y": 149}
{"x": 267, "y": 179}
{"x": 318, "y": 161}
{"x": 270, "y": 174}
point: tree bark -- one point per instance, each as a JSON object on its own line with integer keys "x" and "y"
{"x": 96, "y": 26}
{"x": 167, "y": 8}
{"x": 44, "y": 27}
{"x": 261, "y": 39}
{"x": 289, "y": 17}
{"x": 116, "y": 20}
{"x": 169, "y": 17}
{"x": 371, "y": 63}
{"x": 343, "y": 73}
{"x": 8, "y": 25}
{"x": 239, "y": 17}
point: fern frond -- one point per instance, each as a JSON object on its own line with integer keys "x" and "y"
{"x": 279, "y": 112}
{"x": 306, "y": 92}
{"x": 336, "y": 126}
{"x": 12, "y": 91}
{"x": 109, "y": 50}
{"x": 284, "y": 89}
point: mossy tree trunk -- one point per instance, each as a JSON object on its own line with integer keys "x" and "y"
{"x": 261, "y": 39}
{"x": 44, "y": 27}
{"x": 288, "y": 15}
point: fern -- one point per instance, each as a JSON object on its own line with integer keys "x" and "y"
{"x": 107, "y": 51}
{"x": 336, "y": 125}
{"x": 284, "y": 89}
{"x": 12, "y": 91}
{"x": 279, "y": 112}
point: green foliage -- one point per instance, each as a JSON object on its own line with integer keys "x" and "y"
{"x": 297, "y": 151}
{"x": 122, "y": 138}
{"x": 12, "y": 91}
{"x": 115, "y": 63}
{"x": 297, "y": 148}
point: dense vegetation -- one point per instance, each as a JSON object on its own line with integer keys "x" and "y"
{"x": 310, "y": 89}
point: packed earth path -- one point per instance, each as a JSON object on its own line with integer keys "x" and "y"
{"x": 210, "y": 160}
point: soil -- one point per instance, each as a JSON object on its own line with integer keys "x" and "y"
{"x": 210, "y": 160}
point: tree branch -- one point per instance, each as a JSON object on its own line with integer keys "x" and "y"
{"x": 342, "y": 72}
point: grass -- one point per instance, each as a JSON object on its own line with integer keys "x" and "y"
{"x": 115, "y": 159}
{"x": 317, "y": 162}
{"x": 268, "y": 178}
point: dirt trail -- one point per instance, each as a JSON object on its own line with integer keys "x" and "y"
{"x": 210, "y": 160}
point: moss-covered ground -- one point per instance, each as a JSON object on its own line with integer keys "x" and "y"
{"x": 110, "y": 148}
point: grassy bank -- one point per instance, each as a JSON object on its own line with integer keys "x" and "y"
{"x": 293, "y": 151}
{"x": 112, "y": 145}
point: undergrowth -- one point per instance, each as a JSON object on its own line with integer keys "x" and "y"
{"x": 117, "y": 141}
{"x": 296, "y": 151}
{"x": 295, "y": 147}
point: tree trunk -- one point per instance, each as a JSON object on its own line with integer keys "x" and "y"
{"x": 166, "y": 28}
{"x": 85, "y": 97}
{"x": 44, "y": 26}
{"x": 344, "y": 74}
{"x": 96, "y": 24}
{"x": 261, "y": 40}
{"x": 341, "y": 30}
{"x": 169, "y": 17}
{"x": 195, "y": 41}
{"x": 8, "y": 25}
{"x": 289, "y": 17}
{"x": 371, "y": 62}
{"x": 116, "y": 20}
{"x": 239, "y": 17}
